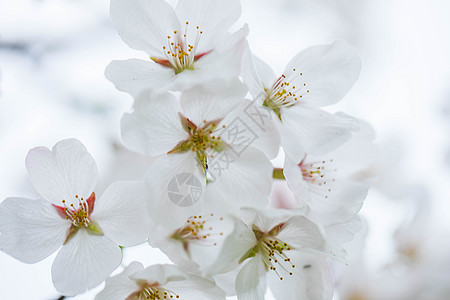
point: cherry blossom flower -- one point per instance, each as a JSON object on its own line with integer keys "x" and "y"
{"x": 333, "y": 186}
{"x": 158, "y": 282}
{"x": 187, "y": 45}
{"x": 89, "y": 230}
{"x": 202, "y": 136}
{"x": 280, "y": 249}
{"x": 315, "y": 77}
{"x": 195, "y": 245}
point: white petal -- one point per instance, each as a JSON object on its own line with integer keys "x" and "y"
{"x": 236, "y": 245}
{"x": 177, "y": 185}
{"x": 311, "y": 279}
{"x": 254, "y": 122}
{"x": 122, "y": 213}
{"x": 62, "y": 173}
{"x": 119, "y": 287}
{"x": 328, "y": 71}
{"x": 213, "y": 17}
{"x": 144, "y": 24}
{"x": 174, "y": 249}
{"x": 134, "y": 76}
{"x": 251, "y": 280}
{"x": 84, "y": 262}
{"x": 30, "y": 230}
{"x": 242, "y": 174}
{"x": 344, "y": 232}
{"x": 311, "y": 130}
{"x": 256, "y": 74}
{"x": 301, "y": 233}
{"x": 201, "y": 104}
{"x": 160, "y": 273}
{"x": 194, "y": 288}
{"x": 154, "y": 128}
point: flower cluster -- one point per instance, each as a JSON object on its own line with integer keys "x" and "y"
{"x": 211, "y": 116}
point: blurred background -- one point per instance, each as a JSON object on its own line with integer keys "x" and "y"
{"x": 52, "y": 58}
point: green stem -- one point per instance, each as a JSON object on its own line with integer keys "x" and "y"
{"x": 278, "y": 174}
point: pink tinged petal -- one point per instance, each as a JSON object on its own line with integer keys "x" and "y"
{"x": 213, "y": 17}
{"x": 254, "y": 122}
{"x": 328, "y": 72}
{"x": 201, "y": 104}
{"x": 177, "y": 183}
{"x": 30, "y": 230}
{"x": 311, "y": 279}
{"x": 313, "y": 131}
{"x": 154, "y": 128}
{"x": 144, "y": 24}
{"x": 122, "y": 214}
{"x": 61, "y": 174}
{"x": 257, "y": 75}
{"x": 84, "y": 262}
{"x": 134, "y": 76}
{"x": 120, "y": 286}
{"x": 251, "y": 280}
{"x": 241, "y": 174}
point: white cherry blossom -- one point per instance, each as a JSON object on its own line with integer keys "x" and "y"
{"x": 69, "y": 217}
{"x": 279, "y": 249}
{"x": 201, "y": 136}
{"x": 315, "y": 77}
{"x": 188, "y": 44}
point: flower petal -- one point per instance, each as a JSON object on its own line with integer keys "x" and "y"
{"x": 160, "y": 273}
{"x": 255, "y": 123}
{"x": 313, "y": 131}
{"x": 120, "y": 286}
{"x": 30, "y": 230}
{"x": 251, "y": 280}
{"x": 311, "y": 279}
{"x": 201, "y": 104}
{"x": 134, "y": 76}
{"x": 177, "y": 185}
{"x": 122, "y": 214}
{"x": 256, "y": 74}
{"x": 62, "y": 173}
{"x": 144, "y": 24}
{"x": 84, "y": 262}
{"x": 241, "y": 240}
{"x": 328, "y": 71}
{"x": 154, "y": 128}
{"x": 303, "y": 234}
{"x": 243, "y": 175}
{"x": 195, "y": 287}
{"x": 213, "y": 17}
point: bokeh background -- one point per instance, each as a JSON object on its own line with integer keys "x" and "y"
{"x": 52, "y": 57}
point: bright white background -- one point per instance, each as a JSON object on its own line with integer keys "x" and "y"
{"x": 53, "y": 54}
